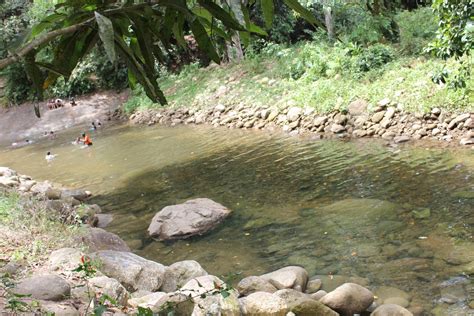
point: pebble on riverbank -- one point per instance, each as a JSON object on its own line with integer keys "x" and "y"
{"x": 388, "y": 121}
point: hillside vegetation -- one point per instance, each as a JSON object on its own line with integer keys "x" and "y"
{"x": 314, "y": 74}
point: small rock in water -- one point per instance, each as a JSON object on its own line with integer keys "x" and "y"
{"x": 421, "y": 213}
{"x": 401, "y": 139}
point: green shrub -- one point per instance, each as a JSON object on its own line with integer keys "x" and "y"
{"x": 80, "y": 82}
{"x": 19, "y": 87}
{"x": 374, "y": 57}
{"x": 417, "y": 29}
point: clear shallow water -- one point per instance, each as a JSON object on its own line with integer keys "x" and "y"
{"x": 340, "y": 208}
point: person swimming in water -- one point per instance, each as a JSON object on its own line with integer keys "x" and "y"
{"x": 93, "y": 126}
{"x": 85, "y": 139}
{"x": 49, "y": 157}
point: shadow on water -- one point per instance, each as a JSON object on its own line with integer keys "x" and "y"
{"x": 332, "y": 207}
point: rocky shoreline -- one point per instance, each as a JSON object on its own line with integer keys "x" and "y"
{"x": 386, "y": 121}
{"x": 101, "y": 272}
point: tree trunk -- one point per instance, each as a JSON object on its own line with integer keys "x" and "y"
{"x": 329, "y": 21}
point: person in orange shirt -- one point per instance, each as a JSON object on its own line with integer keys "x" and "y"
{"x": 86, "y": 140}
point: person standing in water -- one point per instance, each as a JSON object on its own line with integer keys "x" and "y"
{"x": 49, "y": 157}
{"x": 85, "y": 139}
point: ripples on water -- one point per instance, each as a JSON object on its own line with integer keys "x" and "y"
{"x": 333, "y": 207}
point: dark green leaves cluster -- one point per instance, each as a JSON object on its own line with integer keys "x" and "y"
{"x": 455, "y": 36}
{"x": 140, "y": 33}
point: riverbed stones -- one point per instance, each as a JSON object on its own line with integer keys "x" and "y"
{"x": 66, "y": 259}
{"x": 401, "y": 139}
{"x": 357, "y": 107}
{"x": 254, "y": 284}
{"x": 348, "y": 299}
{"x": 263, "y": 304}
{"x": 294, "y": 113}
{"x": 80, "y": 195}
{"x": 132, "y": 271}
{"x": 292, "y": 297}
{"x": 391, "y": 310}
{"x": 194, "y": 217}
{"x": 7, "y": 172}
{"x": 208, "y": 304}
{"x": 58, "y": 309}
{"x": 392, "y": 295}
{"x": 41, "y": 188}
{"x": 44, "y": 287}
{"x": 146, "y": 301}
{"x": 179, "y": 273}
{"x": 337, "y": 128}
{"x": 377, "y": 117}
{"x": 318, "y": 295}
{"x": 312, "y": 308}
{"x": 291, "y": 277}
{"x": 97, "y": 239}
{"x": 313, "y": 285}
{"x": 110, "y": 287}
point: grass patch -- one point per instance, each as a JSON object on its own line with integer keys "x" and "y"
{"x": 29, "y": 231}
{"x": 314, "y": 75}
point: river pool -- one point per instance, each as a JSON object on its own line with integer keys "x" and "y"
{"x": 398, "y": 216}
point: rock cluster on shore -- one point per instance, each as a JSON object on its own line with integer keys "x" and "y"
{"x": 387, "y": 121}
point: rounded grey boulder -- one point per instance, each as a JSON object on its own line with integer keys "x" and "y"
{"x": 194, "y": 217}
{"x": 44, "y": 287}
{"x": 348, "y": 299}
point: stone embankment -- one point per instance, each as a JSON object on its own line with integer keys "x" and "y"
{"x": 121, "y": 282}
{"x": 386, "y": 121}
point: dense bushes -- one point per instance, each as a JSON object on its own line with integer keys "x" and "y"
{"x": 96, "y": 72}
{"x": 417, "y": 29}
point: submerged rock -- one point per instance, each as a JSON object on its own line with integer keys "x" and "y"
{"x": 44, "y": 287}
{"x": 421, "y": 213}
{"x": 134, "y": 272}
{"x": 391, "y": 310}
{"x": 194, "y": 217}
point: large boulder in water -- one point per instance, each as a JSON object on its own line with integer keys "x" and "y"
{"x": 194, "y": 217}
{"x": 348, "y": 299}
{"x": 134, "y": 272}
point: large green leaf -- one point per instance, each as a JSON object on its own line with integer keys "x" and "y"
{"x": 106, "y": 33}
{"x": 203, "y": 40}
{"x": 137, "y": 71}
{"x": 34, "y": 74}
{"x": 220, "y": 14}
{"x": 268, "y": 12}
{"x": 308, "y": 16}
